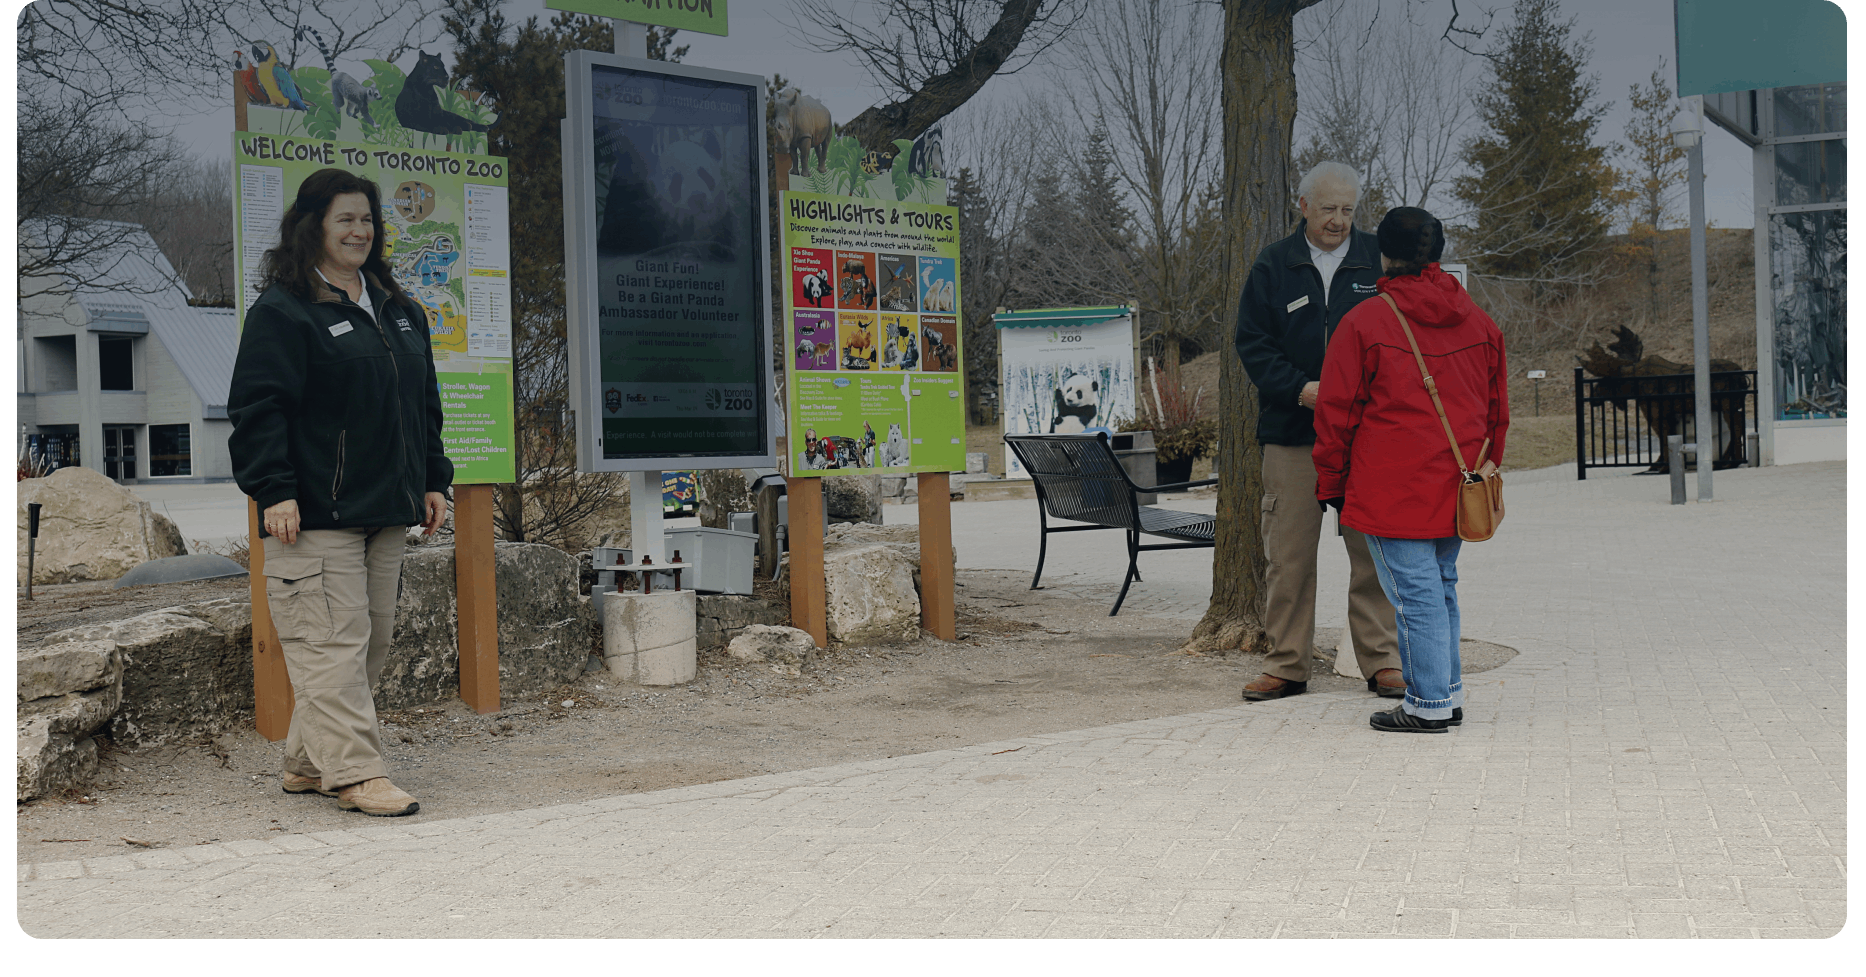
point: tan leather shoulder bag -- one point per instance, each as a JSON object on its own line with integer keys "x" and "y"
{"x": 1480, "y": 497}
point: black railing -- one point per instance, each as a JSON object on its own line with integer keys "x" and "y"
{"x": 1622, "y": 422}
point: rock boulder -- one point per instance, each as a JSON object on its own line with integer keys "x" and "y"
{"x": 67, "y": 692}
{"x": 781, "y": 645}
{"x": 852, "y": 498}
{"x": 91, "y": 528}
{"x": 869, "y": 590}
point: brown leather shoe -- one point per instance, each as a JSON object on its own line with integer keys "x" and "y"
{"x": 377, "y": 798}
{"x": 1268, "y": 687}
{"x": 1378, "y": 684}
{"x": 291, "y": 783}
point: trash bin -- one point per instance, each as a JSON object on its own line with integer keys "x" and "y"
{"x": 1136, "y": 453}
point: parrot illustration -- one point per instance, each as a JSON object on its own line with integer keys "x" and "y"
{"x": 248, "y": 78}
{"x": 276, "y": 79}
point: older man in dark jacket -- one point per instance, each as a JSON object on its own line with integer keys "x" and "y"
{"x": 1298, "y": 290}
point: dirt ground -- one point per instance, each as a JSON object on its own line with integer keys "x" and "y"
{"x": 1027, "y": 662}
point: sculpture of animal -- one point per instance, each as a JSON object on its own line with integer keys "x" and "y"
{"x": 929, "y": 156}
{"x": 276, "y": 79}
{"x": 248, "y": 77}
{"x": 802, "y": 124}
{"x": 1631, "y": 375}
{"x": 419, "y": 108}
{"x": 348, "y": 94}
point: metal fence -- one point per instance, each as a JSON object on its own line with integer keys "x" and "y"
{"x": 1622, "y": 422}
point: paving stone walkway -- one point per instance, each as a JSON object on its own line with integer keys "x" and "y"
{"x": 1665, "y": 758}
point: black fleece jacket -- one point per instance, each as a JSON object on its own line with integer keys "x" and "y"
{"x": 1284, "y": 326}
{"x": 336, "y": 410}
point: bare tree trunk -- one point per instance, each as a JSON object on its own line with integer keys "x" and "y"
{"x": 1259, "y": 117}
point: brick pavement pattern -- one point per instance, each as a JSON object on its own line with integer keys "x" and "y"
{"x": 1665, "y": 758}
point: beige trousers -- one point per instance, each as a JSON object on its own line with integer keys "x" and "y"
{"x": 1292, "y": 531}
{"x": 332, "y": 595}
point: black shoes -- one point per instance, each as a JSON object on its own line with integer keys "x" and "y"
{"x": 1398, "y": 720}
{"x": 1457, "y": 717}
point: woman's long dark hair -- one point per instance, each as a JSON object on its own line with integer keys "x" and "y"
{"x": 293, "y": 263}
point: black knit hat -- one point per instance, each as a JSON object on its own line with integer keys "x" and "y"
{"x": 1411, "y": 236}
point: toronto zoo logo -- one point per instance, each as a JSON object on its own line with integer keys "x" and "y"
{"x": 729, "y": 399}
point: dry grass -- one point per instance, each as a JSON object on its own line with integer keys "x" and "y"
{"x": 1538, "y": 442}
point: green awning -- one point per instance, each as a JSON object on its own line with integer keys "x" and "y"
{"x": 1059, "y": 318}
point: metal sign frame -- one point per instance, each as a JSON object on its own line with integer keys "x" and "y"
{"x": 581, "y": 326}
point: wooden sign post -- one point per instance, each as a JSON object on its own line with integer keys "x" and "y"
{"x": 272, "y": 687}
{"x": 477, "y": 597}
{"x": 808, "y": 611}
{"x": 936, "y": 583}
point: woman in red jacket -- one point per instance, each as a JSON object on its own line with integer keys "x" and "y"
{"x": 1383, "y": 461}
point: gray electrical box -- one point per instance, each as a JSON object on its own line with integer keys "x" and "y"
{"x": 722, "y": 559}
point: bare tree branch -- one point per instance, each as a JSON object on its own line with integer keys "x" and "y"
{"x": 931, "y": 56}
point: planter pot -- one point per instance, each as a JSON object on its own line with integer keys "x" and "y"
{"x": 1177, "y": 470}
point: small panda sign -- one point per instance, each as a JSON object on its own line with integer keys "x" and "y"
{"x": 1065, "y": 371}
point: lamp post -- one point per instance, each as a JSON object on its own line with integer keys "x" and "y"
{"x": 1688, "y": 135}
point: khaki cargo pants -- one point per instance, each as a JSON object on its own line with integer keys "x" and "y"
{"x": 332, "y": 595}
{"x": 1292, "y": 532}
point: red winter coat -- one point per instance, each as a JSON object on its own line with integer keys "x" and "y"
{"x": 1379, "y": 445}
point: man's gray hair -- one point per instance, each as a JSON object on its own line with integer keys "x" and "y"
{"x": 1332, "y": 171}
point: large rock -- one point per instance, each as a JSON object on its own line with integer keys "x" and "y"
{"x": 869, "y": 590}
{"x": 905, "y": 539}
{"x": 186, "y": 670}
{"x": 91, "y": 528}
{"x": 723, "y": 491}
{"x": 544, "y": 629}
{"x": 67, "y": 692}
{"x": 764, "y": 643}
{"x": 189, "y": 670}
{"x": 852, "y": 498}
{"x": 723, "y": 616}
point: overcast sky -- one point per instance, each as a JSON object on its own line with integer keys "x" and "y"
{"x": 1628, "y": 37}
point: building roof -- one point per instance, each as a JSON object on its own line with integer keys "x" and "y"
{"x": 132, "y": 284}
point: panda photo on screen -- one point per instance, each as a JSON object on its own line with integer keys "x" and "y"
{"x": 1077, "y": 401}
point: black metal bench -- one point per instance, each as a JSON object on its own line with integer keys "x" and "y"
{"x": 1079, "y": 478}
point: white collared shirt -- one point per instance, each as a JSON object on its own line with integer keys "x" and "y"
{"x": 1327, "y": 261}
{"x": 369, "y": 301}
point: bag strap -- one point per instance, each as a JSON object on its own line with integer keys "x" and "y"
{"x": 1431, "y": 387}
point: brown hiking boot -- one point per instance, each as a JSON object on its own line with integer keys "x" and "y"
{"x": 377, "y": 798}
{"x": 291, "y": 783}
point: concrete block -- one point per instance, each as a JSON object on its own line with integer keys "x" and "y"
{"x": 650, "y": 639}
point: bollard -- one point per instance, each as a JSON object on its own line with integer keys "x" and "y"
{"x": 1675, "y": 459}
{"x": 1752, "y": 450}
{"x": 32, "y": 541}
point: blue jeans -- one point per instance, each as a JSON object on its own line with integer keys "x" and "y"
{"x": 1420, "y": 577}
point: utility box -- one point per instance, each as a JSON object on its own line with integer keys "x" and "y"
{"x": 722, "y": 559}
{"x": 1136, "y": 452}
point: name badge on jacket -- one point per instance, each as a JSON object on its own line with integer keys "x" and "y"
{"x": 341, "y": 328}
{"x": 1299, "y": 303}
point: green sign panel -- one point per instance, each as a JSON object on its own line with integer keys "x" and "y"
{"x": 704, "y": 16}
{"x": 1737, "y": 45}
{"x": 449, "y": 245}
{"x": 871, "y": 298}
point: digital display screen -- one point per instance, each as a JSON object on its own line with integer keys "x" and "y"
{"x": 680, "y": 283}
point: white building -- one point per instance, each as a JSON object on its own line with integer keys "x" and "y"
{"x": 123, "y": 375}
